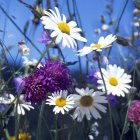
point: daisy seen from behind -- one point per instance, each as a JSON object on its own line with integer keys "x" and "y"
{"x": 19, "y": 104}
{"x": 102, "y": 43}
{"x": 116, "y": 80}
{"x": 61, "y": 30}
{"x": 87, "y": 103}
{"x": 62, "y": 102}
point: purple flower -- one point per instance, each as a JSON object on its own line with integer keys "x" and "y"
{"x": 45, "y": 38}
{"x": 34, "y": 89}
{"x": 93, "y": 77}
{"x": 112, "y": 99}
{"x": 19, "y": 83}
{"x": 51, "y": 77}
{"x": 134, "y": 112}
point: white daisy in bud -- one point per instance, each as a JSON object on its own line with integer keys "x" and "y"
{"x": 61, "y": 30}
{"x": 116, "y": 80}
{"x": 19, "y": 104}
{"x": 24, "y": 50}
{"x": 87, "y": 103}
{"x": 61, "y": 101}
{"x": 102, "y": 43}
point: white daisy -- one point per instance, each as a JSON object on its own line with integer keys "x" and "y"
{"x": 87, "y": 103}
{"x": 61, "y": 30}
{"x": 102, "y": 43}
{"x": 116, "y": 80}
{"x": 19, "y": 104}
{"x": 61, "y": 101}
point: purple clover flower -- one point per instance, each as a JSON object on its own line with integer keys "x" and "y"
{"x": 51, "y": 77}
{"x": 134, "y": 112}
{"x": 45, "y": 38}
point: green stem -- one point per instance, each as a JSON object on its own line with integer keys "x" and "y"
{"x": 125, "y": 123}
{"x": 7, "y": 134}
{"x": 17, "y": 120}
{"x": 56, "y": 127}
{"x": 40, "y": 120}
{"x": 109, "y": 107}
{"x": 43, "y": 54}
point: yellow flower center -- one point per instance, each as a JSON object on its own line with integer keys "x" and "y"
{"x": 64, "y": 27}
{"x": 60, "y": 102}
{"x": 113, "y": 81}
{"x": 96, "y": 46}
{"x": 86, "y": 101}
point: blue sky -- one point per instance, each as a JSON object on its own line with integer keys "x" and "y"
{"x": 89, "y": 10}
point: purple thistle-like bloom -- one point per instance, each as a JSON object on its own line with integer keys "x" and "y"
{"x": 51, "y": 77}
{"x": 45, "y": 38}
{"x": 34, "y": 89}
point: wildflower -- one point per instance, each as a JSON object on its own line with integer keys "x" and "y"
{"x": 61, "y": 30}
{"x": 102, "y": 43}
{"x": 87, "y": 103}
{"x": 136, "y": 12}
{"x": 112, "y": 99}
{"x": 19, "y": 104}
{"x": 21, "y": 136}
{"x": 93, "y": 131}
{"x": 24, "y": 50}
{"x": 61, "y": 101}
{"x": 116, "y": 80}
{"x": 51, "y": 77}
{"x": 136, "y": 23}
{"x": 34, "y": 89}
{"x": 105, "y": 27}
{"x": 93, "y": 77}
{"x": 134, "y": 112}
{"x": 19, "y": 83}
{"x": 45, "y": 38}
{"x": 28, "y": 63}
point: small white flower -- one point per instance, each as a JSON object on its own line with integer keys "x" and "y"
{"x": 116, "y": 80}
{"x": 20, "y": 104}
{"x": 136, "y": 23}
{"x": 136, "y": 12}
{"x": 24, "y": 50}
{"x": 87, "y": 102}
{"x": 27, "y": 62}
{"x": 102, "y": 43}
{"x": 62, "y": 31}
{"x": 105, "y": 27}
{"x": 61, "y": 101}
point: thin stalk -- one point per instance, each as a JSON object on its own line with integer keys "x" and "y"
{"x": 56, "y": 127}
{"x": 109, "y": 107}
{"x": 17, "y": 119}
{"x": 40, "y": 120}
{"x": 125, "y": 122}
{"x": 134, "y": 136}
{"x": 43, "y": 54}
